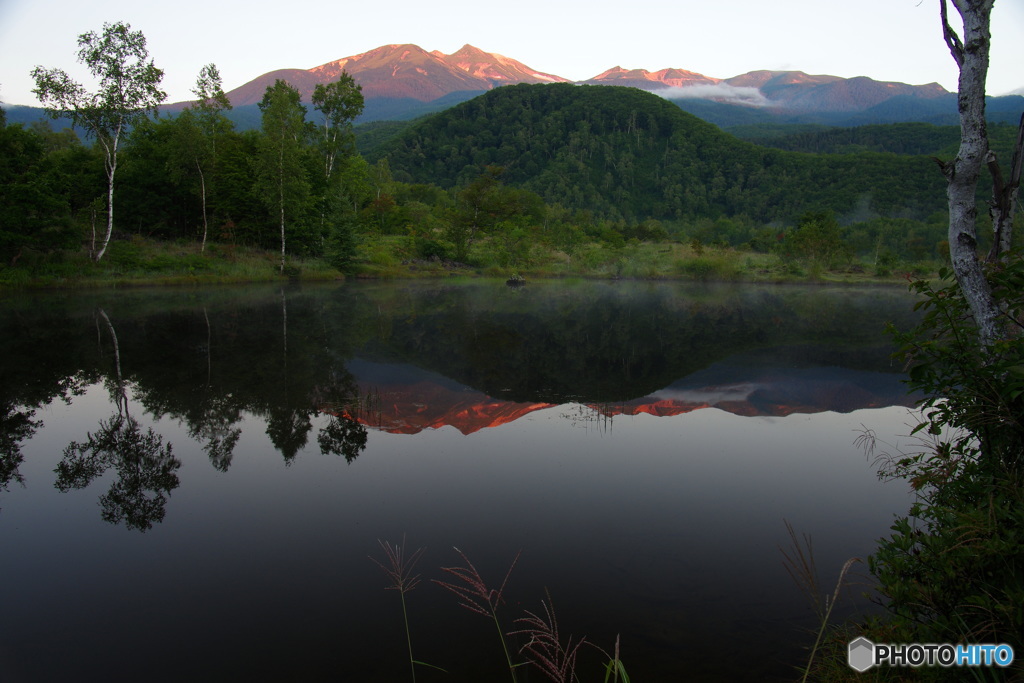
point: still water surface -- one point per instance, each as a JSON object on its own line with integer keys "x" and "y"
{"x": 193, "y": 481}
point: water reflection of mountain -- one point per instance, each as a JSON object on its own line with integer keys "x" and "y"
{"x": 408, "y": 400}
{"x": 439, "y": 353}
{"x": 404, "y": 399}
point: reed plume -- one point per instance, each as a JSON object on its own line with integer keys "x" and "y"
{"x": 474, "y": 595}
{"x": 544, "y": 647}
{"x": 399, "y": 570}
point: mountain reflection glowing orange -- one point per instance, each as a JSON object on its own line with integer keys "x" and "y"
{"x": 427, "y": 403}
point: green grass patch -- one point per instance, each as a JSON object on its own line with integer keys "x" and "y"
{"x": 140, "y": 261}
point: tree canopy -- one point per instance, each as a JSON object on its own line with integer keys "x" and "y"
{"x": 128, "y": 91}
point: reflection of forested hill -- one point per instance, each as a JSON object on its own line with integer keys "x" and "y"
{"x": 489, "y": 353}
{"x": 599, "y": 342}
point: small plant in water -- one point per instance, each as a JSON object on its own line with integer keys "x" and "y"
{"x": 475, "y": 596}
{"x": 399, "y": 570}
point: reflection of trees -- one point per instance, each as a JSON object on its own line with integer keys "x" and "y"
{"x": 215, "y": 428}
{"x": 115, "y": 384}
{"x": 214, "y": 418}
{"x": 145, "y": 470}
{"x": 288, "y": 425}
{"x": 288, "y": 429}
{"x": 343, "y": 436}
{"x": 340, "y": 399}
{"x": 609, "y": 343}
{"x": 15, "y": 426}
{"x": 145, "y": 466}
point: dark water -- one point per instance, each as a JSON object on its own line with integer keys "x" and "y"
{"x": 193, "y": 481}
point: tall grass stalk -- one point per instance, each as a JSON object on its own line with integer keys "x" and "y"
{"x": 399, "y": 570}
{"x": 799, "y": 562}
{"x": 475, "y": 596}
{"x": 545, "y": 648}
{"x": 614, "y": 669}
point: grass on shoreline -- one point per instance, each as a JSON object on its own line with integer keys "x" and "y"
{"x": 144, "y": 262}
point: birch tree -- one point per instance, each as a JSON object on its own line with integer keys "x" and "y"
{"x": 340, "y": 103}
{"x": 282, "y": 176}
{"x": 971, "y": 54}
{"x": 128, "y": 90}
{"x": 201, "y": 124}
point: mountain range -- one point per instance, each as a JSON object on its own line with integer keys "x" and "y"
{"x": 402, "y": 82}
{"x": 403, "y": 72}
{"x": 410, "y": 72}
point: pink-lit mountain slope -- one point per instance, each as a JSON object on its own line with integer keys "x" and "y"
{"x": 400, "y": 81}
{"x": 404, "y": 71}
{"x": 789, "y": 90}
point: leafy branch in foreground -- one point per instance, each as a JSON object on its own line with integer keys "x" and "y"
{"x": 953, "y": 568}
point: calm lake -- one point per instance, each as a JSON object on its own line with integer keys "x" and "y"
{"x": 193, "y": 481}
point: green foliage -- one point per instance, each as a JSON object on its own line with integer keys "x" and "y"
{"x": 281, "y": 172}
{"x": 816, "y": 239}
{"x": 629, "y": 155}
{"x": 33, "y": 213}
{"x": 341, "y": 242}
{"x": 128, "y": 92}
{"x": 897, "y": 138}
{"x": 198, "y": 141}
{"x": 339, "y": 103}
{"x": 953, "y": 568}
{"x": 707, "y": 267}
{"x": 527, "y": 178}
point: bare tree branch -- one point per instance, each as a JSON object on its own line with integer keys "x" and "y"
{"x": 956, "y": 48}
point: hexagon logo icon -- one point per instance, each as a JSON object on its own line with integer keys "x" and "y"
{"x": 861, "y": 654}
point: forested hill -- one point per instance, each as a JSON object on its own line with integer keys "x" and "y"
{"x": 627, "y": 154}
{"x": 900, "y": 138}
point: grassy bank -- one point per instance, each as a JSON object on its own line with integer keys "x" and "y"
{"x": 140, "y": 262}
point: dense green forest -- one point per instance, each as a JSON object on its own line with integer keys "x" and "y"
{"x": 544, "y": 178}
{"x": 899, "y": 138}
{"x": 629, "y": 155}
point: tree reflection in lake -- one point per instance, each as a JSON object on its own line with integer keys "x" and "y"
{"x": 145, "y": 466}
{"x": 146, "y": 471}
{"x": 15, "y": 426}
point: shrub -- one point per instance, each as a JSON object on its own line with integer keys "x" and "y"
{"x": 707, "y": 267}
{"x": 953, "y": 568}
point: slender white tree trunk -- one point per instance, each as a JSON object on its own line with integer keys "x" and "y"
{"x": 280, "y": 189}
{"x": 110, "y": 209}
{"x": 963, "y": 172}
{"x": 202, "y": 192}
{"x": 111, "y": 163}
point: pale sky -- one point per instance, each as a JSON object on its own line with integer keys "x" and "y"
{"x": 888, "y": 40}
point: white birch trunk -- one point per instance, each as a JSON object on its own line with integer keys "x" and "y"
{"x": 202, "y": 187}
{"x": 963, "y": 172}
{"x": 111, "y": 163}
